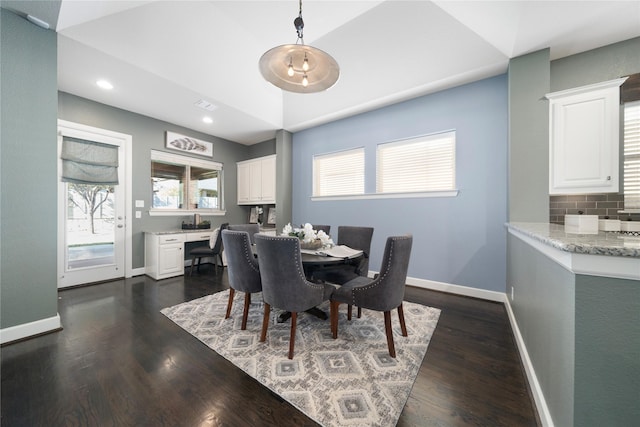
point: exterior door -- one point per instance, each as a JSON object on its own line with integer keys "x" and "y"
{"x": 91, "y": 217}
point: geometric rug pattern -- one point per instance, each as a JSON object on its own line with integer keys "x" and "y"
{"x": 349, "y": 381}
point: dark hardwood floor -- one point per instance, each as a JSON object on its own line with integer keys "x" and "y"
{"x": 120, "y": 362}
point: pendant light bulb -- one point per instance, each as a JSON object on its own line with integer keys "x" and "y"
{"x": 305, "y": 64}
{"x": 305, "y": 82}
{"x": 290, "y": 69}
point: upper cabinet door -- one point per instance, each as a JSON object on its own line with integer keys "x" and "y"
{"x": 269, "y": 179}
{"x": 584, "y": 139}
{"x": 257, "y": 181}
{"x": 243, "y": 183}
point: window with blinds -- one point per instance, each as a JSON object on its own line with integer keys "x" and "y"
{"x": 423, "y": 164}
{"x": 339, "y": 174}
{"x": 631, "y": 169}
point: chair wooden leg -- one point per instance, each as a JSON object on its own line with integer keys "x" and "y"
{"x": 193, "y": 261}
{"x": 334, "y": 318}
{"x": 245, "y": 312}
{"x": 359, "y": 312}
{"x": 403, "y": 325}
{"x": 389, "y": 331}
{"x": 265, "y": 322}
{"x": 292, "y": 337}
{"x": 230, "y": 303}
{"x": 349, "y": 311}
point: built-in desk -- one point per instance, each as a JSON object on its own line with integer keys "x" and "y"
{"x": 164, "y": 251}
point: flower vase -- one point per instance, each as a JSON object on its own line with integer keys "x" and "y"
{"x": 314, "y": 244}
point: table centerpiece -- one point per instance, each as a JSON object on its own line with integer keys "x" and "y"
{"x": 309, "y": 238}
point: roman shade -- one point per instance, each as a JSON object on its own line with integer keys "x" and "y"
{"x": 89, "y": 162}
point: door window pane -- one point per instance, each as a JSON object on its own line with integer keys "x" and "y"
{"x": 89, "y": 225}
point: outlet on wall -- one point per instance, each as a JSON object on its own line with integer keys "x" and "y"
{"x": 512, "y": 293}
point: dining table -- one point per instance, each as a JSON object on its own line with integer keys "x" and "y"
{"x": 313, "y": 261}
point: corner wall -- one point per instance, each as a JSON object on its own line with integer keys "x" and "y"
{"x": 529, "y": 138}
{"x": 28, "y": 174}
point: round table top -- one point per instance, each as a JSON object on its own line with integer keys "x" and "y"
{"x": 312, "y": 259}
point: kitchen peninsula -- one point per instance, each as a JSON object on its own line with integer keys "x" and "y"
{"x": 576, "y": 303}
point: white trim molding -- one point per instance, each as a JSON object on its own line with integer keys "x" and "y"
{"x": 536, "y": 390}
{"x": 534, "y": 384}
{"x": 30, "y": 329}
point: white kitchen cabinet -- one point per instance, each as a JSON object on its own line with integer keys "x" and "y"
{"x": 257, "y": 181}
{"x": 164, "y": 255}
{"x": 584, "y": 139}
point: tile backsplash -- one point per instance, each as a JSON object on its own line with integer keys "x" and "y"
{"x": 603, "y": 205}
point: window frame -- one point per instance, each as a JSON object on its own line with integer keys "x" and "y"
{"x": 448, "y": 192}
{"x": 335, "y": 154}
{"x": 187, "y": 162}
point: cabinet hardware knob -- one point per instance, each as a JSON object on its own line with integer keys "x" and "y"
{"x": 608, "y": 178}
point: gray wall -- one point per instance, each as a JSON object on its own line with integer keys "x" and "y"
{"x": 607, "y": 368}
{"x": 149, "y": 134}
{"x": 596, "y": 328}
{"x": 597, "y": 65}
{"x": 28, "y": 171}
{"x": 529, "y": 138}
{"x": 544, "y": 305}
{"x": 458, "y": 240}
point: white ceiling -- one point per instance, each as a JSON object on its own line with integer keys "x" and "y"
{"x": 163, "y": 56}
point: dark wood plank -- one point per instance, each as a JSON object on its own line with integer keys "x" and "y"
{"x": 118, "y": 361}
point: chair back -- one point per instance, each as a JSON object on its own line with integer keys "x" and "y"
{"x": 386, "y": 292}
{"x": 242, "y": 265}
{"x": 325, "y": 228}
{"x": 357, "y": 238}
{"x": 217, "y": 247}
{"x": 252, "y": 229}
{"x": 284, "y": 284}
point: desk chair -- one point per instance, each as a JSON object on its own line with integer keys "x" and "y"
{"x": 213, "y": 250}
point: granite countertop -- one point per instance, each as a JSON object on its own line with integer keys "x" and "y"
{"x": 604, "y": 243}
{"x": 178, "y": 231}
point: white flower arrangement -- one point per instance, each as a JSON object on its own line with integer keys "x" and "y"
{"x": 307, "y": 234}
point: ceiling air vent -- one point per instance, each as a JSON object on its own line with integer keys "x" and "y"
{"x": 205, "y": 105}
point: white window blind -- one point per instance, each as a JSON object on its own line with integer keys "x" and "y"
{"x": 339, "y": 174}
{"x": 422, "y": 164}
{"x": 631, "y": 169}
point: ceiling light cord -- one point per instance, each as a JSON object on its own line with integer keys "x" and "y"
{"x": 298, "y": 23}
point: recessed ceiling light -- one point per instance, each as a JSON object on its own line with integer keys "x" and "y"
{"x": 207, "y": 119}
{"x": 103, "y": 84}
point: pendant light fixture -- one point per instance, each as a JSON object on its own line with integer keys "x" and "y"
{"x": 298, "y": 67}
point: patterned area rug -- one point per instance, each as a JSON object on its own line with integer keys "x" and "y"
{"x": 344, "y": 382}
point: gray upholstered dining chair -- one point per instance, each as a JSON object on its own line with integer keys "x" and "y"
{"x": 252, "y": 229}
{"x": 284, "y": 284}
{"x": 356, "y": 238}
{"x": 243, "y": 270}
{"x": 213, "y": 250}
{"x": 325, "y": 228}
{"x": 383, "y": 293}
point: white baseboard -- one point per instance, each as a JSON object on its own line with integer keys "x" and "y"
{"x": 456, "y": 289}
{"x": 137, "y": 272}
{"x": 30, "y": 329}
{"x": 536, "y": 390}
